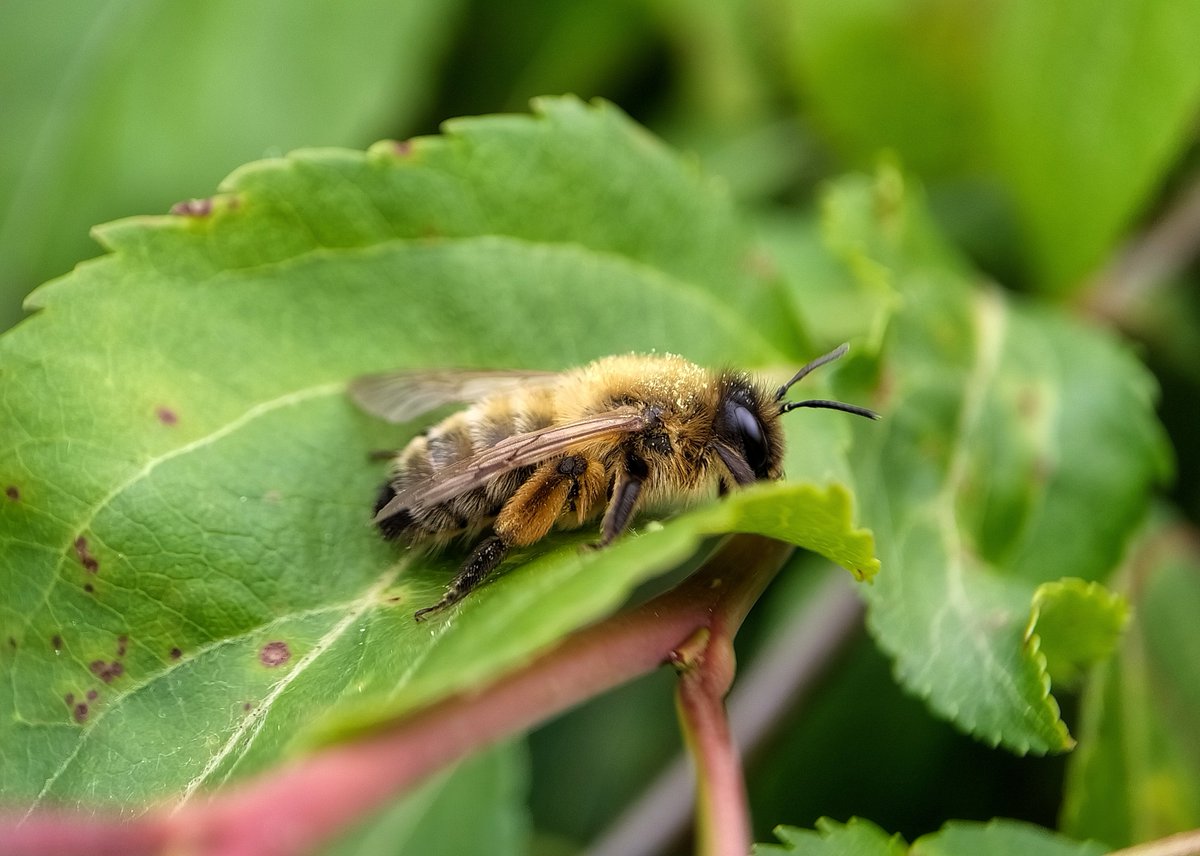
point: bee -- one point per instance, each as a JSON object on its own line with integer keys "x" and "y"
{"x": 536, "y": 450}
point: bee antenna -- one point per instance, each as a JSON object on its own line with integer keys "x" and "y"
{"x": 829, "y": 405}
{"x": 815, "y": 364}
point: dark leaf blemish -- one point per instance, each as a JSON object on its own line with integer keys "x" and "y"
{"x": 92, "y": 695}
{"x": 176, "y": 653}
{"x": 81, "y": 713}
{"x": 89, "y": 562}
{"x": 275, "y": 654}
{"x": 89, "y": 588}
{"x": 12, "y": 643}
{"x": 107, "y": 672}
{"x": 12, "y": 492}
{"x": 167, "y": 416}
{"x": 403, "y": 148}
{"x": 122, "y": 645}
{"x": 56, "y": 642}
{"x": 69, "y": 698}
{"x": 193, "y": 207}
{"x": 247, "y": 707}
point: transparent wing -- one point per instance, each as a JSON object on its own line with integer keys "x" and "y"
{"x": 518, "y": 450}
{"x": 405, "y": 395}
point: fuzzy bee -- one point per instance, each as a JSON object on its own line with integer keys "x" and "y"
{"x": 535, "y": 450}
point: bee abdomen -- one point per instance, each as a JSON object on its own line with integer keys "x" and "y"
{"x": 397, "y": 524}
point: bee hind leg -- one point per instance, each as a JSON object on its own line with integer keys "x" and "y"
{"x": 485, "y": 558}
{"x": 525, "y": 519}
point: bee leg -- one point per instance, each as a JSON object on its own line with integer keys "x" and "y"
{"x": 626, "y": 489}
{"x": 526, "y": 518}
{"x": 485, "y": 558}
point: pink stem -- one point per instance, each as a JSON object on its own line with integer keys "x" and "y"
{"x": 707, "y": 667}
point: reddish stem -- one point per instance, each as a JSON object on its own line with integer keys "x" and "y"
{"x": 707, "y": 666}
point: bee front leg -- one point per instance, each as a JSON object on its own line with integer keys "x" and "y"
{"x": 627, "y": 488}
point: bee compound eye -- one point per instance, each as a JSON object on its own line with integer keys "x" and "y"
{"x": 754, "y": 443}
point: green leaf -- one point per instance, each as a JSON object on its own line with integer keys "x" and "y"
{"x": 1086, "y": 107}
{"x": 1001, "y": 838}
{"x": 858, "y": 837}
{"x": 1070, "y": 111}
{"x": 478, "y": 806}
{"x": 1017, "y": 448}
{"x": 125, "y": 107}
{"x": 862, "y": 838}
{"x": 556, "y": 591}
{"x": 185, "y": 531}
{"x": 1074, "y": 624}
{"x": 1136, "y": 774}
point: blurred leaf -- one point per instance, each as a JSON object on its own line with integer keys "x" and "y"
{"x": 835, "y": 305}
{"x": 1086, "y": 106}
{"x": 862, "y": 838}
{"x": 112, "y": 108}
{"x": 891, "y": 74}
{"x": 1074, "y": 624}
{"x": 830, "y": 757}
{"x": 188, "y": 572}
{"x": 1136, "y": 774}
{"x": 858, "y": 837}
{"x": 478, "y": 806}
{"x": 511, "y": 52}
{"x": 1001, "y": 838}
{"x": 1074, "y": 109}
{"x": 1005, "y": 428}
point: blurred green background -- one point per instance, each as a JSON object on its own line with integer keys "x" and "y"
{"x": 1056, "y": 143}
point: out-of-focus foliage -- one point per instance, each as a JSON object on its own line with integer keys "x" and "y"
{"x": 1025, "y": 144}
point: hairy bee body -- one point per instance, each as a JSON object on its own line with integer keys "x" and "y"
{"x": 682, "y": 395}
{"x": 533, "y": 451}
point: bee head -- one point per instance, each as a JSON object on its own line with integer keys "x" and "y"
{"x": 748, "y": 436}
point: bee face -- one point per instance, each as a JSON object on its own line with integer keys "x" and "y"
{"x": 747, "y": 431}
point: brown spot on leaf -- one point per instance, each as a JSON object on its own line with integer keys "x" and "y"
{"x": 247, "y": 707}
{"x": 89, "y": 588}
{"x": 403, "y": 148}
{"x": 1029, "y": 403}
{"x": 122, "y": 645}
{"x": 193, "y": 207}
{"x": 69, "y": 698}
{"x": 92, "y": 695}
{"x": 761, "y": 265}
{"x": 12, "y": 492}
{"x": 12, "y": 642}
{"x": 176, "y": 653}
{"x": 89, "y": 562}
{"x": 81, "y": 713}
{"x": 167, "y": 416}
{"x": 275, "y": 654}
{"x": 56, "y": 642}
{"x": 107, "y": 672}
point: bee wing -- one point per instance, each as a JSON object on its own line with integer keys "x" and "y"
{"x": 518, "y": 450}
{"x": 405, "y": 395}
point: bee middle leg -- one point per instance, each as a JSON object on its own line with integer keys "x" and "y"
{"x": 525, "y": 519}
{"x": 626, "y": 489}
